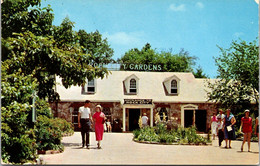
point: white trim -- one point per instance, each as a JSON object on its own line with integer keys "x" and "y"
{"x": 187, "y": 107}
{"x": 125, "y": 106}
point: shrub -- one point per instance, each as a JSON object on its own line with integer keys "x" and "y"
{"x": 48, "y": 135}
{"x": 65, "y": 127}
{"x": 160, "y": 128}
{"x": 160, "y": 134}
{"x": 18, "y": 141}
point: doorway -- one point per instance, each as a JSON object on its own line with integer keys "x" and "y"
{"x": 134, "y": 115}
{"x": 188, "y": 118}
{"x": 200, "y": 120}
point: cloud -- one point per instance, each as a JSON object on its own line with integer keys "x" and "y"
{"x": 200, "y": 5}
{"x": 177, "y": 8}
{"x": 123, "y": 38}
{"x": 238, "y": 34}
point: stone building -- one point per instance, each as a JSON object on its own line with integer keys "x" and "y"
{"x": 126, "y": 95}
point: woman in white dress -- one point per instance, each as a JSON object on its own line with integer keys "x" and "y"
{"x": 213, "y": 124}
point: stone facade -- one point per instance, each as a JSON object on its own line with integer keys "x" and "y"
{"x": 175, "y": 113}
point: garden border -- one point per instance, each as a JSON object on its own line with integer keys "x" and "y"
{"x": 158, "y": 143}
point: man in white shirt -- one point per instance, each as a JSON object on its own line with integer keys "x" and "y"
{"x": 84, "y": 122}
{"x": 144, "y": 120}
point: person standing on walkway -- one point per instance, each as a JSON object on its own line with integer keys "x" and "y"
{"x": 257, "y": 128}
{"x": 213, "y": 125}
{"x": 246, "y": 125}
{"x": 84, "y": 123}
{"x": 220, "y": 132}
{"x": 228, "y": 128}
{"x": 221, "y": 114}
{"x": 99, "y": 119}
{"x": 144, "y": 120}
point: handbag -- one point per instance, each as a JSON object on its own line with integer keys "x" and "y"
{"x": 229, "y": 128}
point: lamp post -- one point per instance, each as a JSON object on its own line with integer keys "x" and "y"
{"x": 33, "y": 106}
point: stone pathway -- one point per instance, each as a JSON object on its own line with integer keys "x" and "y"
{"x": 118, "y": 148}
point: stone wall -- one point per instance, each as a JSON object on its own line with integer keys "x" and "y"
{"x": 66, "y": 110}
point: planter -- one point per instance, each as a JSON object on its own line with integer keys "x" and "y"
{"x": 175, "y": 143}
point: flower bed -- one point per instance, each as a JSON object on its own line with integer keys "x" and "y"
{"x": 160, "y": 135}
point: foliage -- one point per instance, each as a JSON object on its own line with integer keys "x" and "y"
{"x": 240, "y": 62}
{"x": 94, "y": 45}
{"x": 199, "y": 73}
{"x": 66, "y": 128}
{"x": 31, "y": 58}
{"x": 16, "y": 18}
{"x": 180, "y": 62}
{"x": 20, "y": 137}
{"x": 238, "y": 73}
{"x": 18, "y": 141}
{"x": 17, "y": 132}
{"x": 39, "y": 56}
{"x": 48, "y": 134}
{"x": 51, "y": 50}
{"x": 160, "y": 134}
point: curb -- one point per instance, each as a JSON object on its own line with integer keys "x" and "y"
{"x": 49, "y": 151}
{"x": 175, "y": 143}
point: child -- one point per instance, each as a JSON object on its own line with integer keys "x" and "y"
{"x": 109, "y": 127}
{"x": 220, "y": 131}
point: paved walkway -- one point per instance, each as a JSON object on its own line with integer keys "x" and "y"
{"x": 118, "y": 148}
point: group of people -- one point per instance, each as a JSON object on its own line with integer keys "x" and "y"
{"x": 85, "y": 119}
{"x": 223, "y": 126}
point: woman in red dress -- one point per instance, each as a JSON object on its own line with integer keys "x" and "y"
{"x": 246, "y": 124}
{"x": 99, "y": 118}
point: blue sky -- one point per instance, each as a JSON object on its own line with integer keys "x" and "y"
{"x": 197, "y": 26}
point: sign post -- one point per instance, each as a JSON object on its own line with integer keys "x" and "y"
{"x": 33, "y": 108}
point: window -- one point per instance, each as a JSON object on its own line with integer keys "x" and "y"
{"x": 107, "y": 112}
{"x": 89, "y": 88}
{"x": 174, "y": 88}
{"x": 163, "y": 112}
{"x": 130, "y": 85}
{"x": 132, "y": 88}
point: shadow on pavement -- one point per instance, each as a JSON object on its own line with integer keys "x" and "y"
{"x": 71, "y": 144}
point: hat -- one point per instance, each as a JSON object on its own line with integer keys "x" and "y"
{"x": 246, "y": 111}
{"x": 99, "y": 106}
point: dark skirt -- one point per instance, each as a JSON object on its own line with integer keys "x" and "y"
{"x": 230, "y": 135}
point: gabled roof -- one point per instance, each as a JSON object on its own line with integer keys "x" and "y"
{"x": 150, "y": 87}
{"x": 171, "y": 77}
{"x": 131, "y": 76}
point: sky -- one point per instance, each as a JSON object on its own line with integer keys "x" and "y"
{"x": 197, "y": 26}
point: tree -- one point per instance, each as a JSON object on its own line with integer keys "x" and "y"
{"x": 60, "y": 52}
{"x": 34, "y": 52}
{"x": 170, "y": 62}
{"x": 16, "y": 18}
{"x": 199, "y": 73}
{"x": 94, "y": 45}
{"x": 238, "y": 75}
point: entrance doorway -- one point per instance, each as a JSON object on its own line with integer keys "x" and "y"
{"x": 200, "y": 120}
{"x": 133, "y": 119}
{"x": 188, "y": 118}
